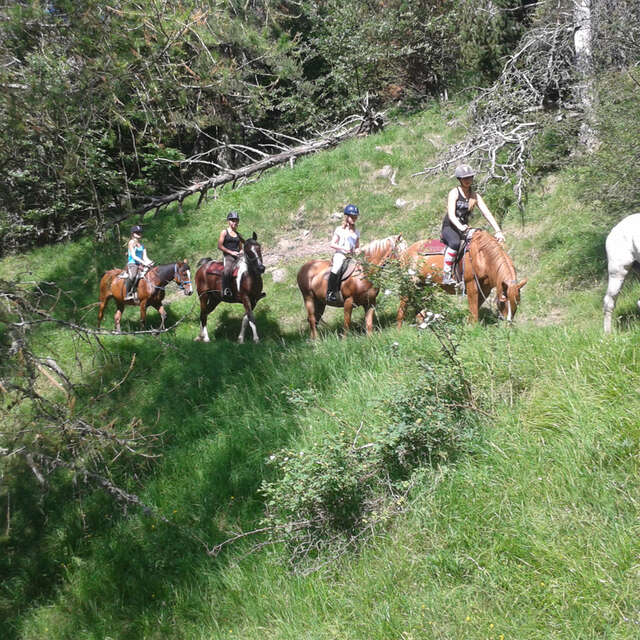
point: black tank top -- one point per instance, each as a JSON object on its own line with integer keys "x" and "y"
{"x": 231, "y": 243}
{"x": 462, "y": 208}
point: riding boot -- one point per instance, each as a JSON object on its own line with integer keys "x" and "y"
{"x": 447, "y": 269}
{"x": 332, "y": 287}
{"x": 227, "y": 293}
{"x": 128, "y": 295}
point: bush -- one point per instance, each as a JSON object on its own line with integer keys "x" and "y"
{"x": 330, "y": 496}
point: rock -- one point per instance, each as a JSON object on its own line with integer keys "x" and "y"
{"x": 279, "y": 275}
{"x": 400, "y": 203}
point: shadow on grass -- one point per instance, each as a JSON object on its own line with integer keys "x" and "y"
{"x": 222, "y": 409}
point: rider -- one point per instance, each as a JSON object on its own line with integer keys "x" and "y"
{"x": 230, "y": 243}
{"x": 136, "y": 258}
{"x": 460, "y": 204}
{"x": 345, "y": 241}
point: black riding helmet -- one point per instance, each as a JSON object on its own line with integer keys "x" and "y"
{"x": 233, "y": 215}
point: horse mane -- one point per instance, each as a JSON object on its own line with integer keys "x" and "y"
{"x": 497, "y": 257}
{"x": 377, "y": 250}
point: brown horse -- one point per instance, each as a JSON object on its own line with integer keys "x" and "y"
{"x": 248, "y": 292}
{"x": 355, "y": 290}
{"x": 150, "y": 290}
{"x": 486, "y": 266}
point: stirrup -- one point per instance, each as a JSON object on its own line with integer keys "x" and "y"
{"x": 448, "y": 279}
{"x": 331, "y": 296}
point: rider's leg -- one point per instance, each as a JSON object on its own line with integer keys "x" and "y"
{"x": 334, "y": 277}
{"x": 447, "y": 268}
{"x": 450, "y": 237}
{"x": 227, "y": 276}
{"x": 132, "y": 270}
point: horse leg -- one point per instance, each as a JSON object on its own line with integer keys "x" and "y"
{"x": 118, "y": 315}
{"x": 103, "y": 304}
{"x": 207, "y": 305}
{"x": 402, "y": 309}
{"x": 472, "y": 298}
{"x": 248, "y": 319}
{"x": 143, "y": 313}
{"x": 163, "y": 316}
{"x": 311, "y": 316}
{"x": 616, "y": 278}
{"x": 348, "y": 309}
{"x": 368, "y": 318}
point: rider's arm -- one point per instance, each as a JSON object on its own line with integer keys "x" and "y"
{"x": 451, "y": 211}
{"x": 489, "y": 217}
{"x": 145, "y": 258}
{"x": 335, "y": 240}
{"x": 222, "y": 248}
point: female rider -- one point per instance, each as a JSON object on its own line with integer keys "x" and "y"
{"x": 345, "y": 241}
{"x": 136, "y": 259}
{"x": 460, "y": 204}
{"x": 230, "y": 243}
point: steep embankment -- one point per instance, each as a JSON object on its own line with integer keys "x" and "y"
{"x": 529, "y": 531}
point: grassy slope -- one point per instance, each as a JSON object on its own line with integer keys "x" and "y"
{"x": 536, "y": 535}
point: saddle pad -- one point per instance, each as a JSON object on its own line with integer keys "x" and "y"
{"x": 216, "y": 268}
{"x": 432, "y": 247}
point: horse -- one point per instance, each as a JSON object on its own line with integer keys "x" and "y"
{"x": 246, "y": 288}
{"x": 623, "y": 252}
{"x": 150, "y": 290}
{"x": 355, "y": 290}
{"x": 486, "y": 265}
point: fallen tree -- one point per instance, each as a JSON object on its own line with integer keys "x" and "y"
{"x": 288, "y": 150}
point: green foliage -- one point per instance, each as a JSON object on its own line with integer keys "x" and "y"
{"x": 328, "y": 496}
{"x": 613, "y": 171}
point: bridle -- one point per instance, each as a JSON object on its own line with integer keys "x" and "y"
{"x": 176, "y": 272}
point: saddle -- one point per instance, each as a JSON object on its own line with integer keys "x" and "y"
{"x": 216, "y": 268}
{"x": 433, "y": 247}
{"x": 346, "y": 271}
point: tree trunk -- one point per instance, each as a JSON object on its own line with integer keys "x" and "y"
{"x": 585, "y": 91}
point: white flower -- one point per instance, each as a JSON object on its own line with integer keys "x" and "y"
{"x": 387, "y": 292}
{"x": 411, "y": 272}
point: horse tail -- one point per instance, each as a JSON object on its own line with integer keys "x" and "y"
{"x": 304, "y": 277}
{"x": 203, "y": 261}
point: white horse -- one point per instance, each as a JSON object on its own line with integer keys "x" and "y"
{"x": 623, "y": 249}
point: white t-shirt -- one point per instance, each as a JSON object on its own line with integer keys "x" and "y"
{"x": 345, "y": 238}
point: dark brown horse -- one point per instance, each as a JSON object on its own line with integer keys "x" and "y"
{"x": 355, "y": 291}
{"x": 486, "y": 266}
{"x": 246, "y": 287}
{"x": 150, "y": 289}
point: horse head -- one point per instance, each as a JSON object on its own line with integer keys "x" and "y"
{"x": 182, "y": 277}
{"x": 378, "y": 251}
{"x": 509, "y": 298}
{"x": 253, "y": 254}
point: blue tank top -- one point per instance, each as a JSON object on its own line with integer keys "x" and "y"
{"x": 139, "y": 252}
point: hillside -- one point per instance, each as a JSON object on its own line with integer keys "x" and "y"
{"x": 525, "y": 527}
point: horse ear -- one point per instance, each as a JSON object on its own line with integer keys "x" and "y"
{"x": 254, "y": 236}
{"x": 522, "y": 283}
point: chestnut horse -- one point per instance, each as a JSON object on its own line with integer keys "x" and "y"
{"x": 486, "y": 266}
{"x": 248, "y": 292}
{"x": 355, "y": 290}
{"x": 150, "y": 290}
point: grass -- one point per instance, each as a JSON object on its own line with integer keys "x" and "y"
{"x": 533, "y": 535}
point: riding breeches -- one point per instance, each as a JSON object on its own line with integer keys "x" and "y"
{"x": 337, "y": 261}
{"x": 450, "y": 235}
{"x": 132, "y": 270}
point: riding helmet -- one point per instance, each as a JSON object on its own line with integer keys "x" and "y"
{"x": 233, "y": 215}
{"x": 464, "y": 171}
{"x": 136, "y": 229}
{"x": 351, "y": 210}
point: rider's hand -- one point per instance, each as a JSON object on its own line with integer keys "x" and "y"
{"x": 499, "y": 236}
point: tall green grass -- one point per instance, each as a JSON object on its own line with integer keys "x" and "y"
{"x": 532, "y": 535}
